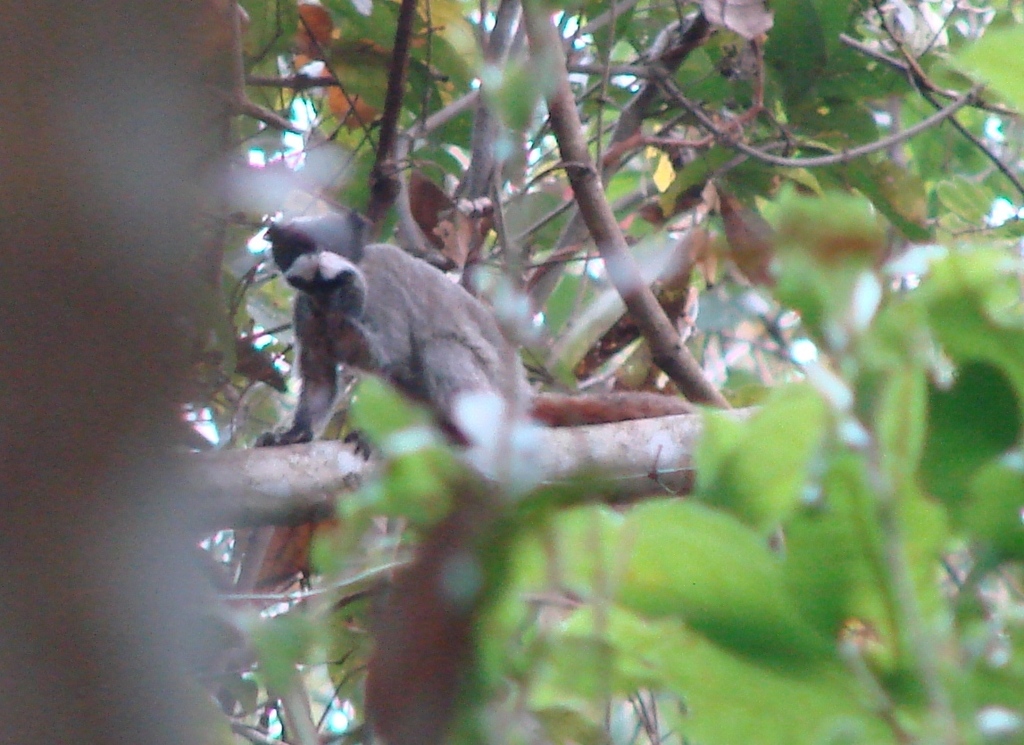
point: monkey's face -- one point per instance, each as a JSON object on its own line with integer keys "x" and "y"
{"x": 333, "y": 282}
{"x": 317, "y": 257}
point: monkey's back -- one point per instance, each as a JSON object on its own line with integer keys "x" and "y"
{"x": 432, "y": 337}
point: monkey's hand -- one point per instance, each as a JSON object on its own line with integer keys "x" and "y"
{"x": 292, "y": 436}
{"x": 360, "y": 443}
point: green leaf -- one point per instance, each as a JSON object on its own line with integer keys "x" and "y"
{"x": 728, "y": 698}
{"x": 835, "y": 122}
{"x": 574, "y": 670}
{"x": 964, "y": 197}
{"x": 901, "y": 421}
{"x": 833, "y": 229}
{"x": 562, "y": 723}
{"x": 994, "y": 516}
{"x": 513, "y": 92}
{"x": 969, "y": 425}
{"x": 281, "y": 643}
{"x": 379, "y": 411}
{"x": 759, "y": 469}
{"x": 973, "y": 302}
{"x": 796, "y": 47}
{"x": 705, "y": 568}
{"x": 997, "y": 59}
{"x": 834, "y": 566}
{"x": 898, "y": 193}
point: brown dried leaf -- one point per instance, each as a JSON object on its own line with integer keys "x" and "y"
{"x": 751, "y": 239}
{"x": 315, "y": 29}
{"x": 427, "y": 201}
{"x": 286, "y": 559}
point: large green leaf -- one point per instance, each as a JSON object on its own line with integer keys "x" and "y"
{"x": 690, "y": 562}
{"x": 994, "y": 516}
{"x": 796, "y": 47}
{"x": 997, "y": 59}
{"x": 835, "y": 563}
{"x": 971, "y": 423}
{"x": 759, "y": 469}
{"x": 728, "y": 698}
{"x": 895, "y": 191}
{"x": 973, "y": 301}
{"x": 966, "y": 198}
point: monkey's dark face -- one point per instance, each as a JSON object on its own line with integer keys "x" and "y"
{"x": 319, "y": 272}
{"x": 318, "y": 255}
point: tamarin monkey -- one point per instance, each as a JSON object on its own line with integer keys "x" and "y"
{"x": 375, "y": 308}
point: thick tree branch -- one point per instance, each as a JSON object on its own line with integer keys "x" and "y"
{"x": 272, "y": 486}
{"x": 477, "y": 180}
{"x": 240, "y": 102}
{"x": 295, "y": 484}
{"x": 671, "y": 47}
{"x": 383, "y": 178}
{"x": 667, "y": 350}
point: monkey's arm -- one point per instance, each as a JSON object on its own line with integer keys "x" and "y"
{"x": 318, "y": 374}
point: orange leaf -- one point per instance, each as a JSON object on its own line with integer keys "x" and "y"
{"x": 315, "y": 29}
{"x": 352, "y": 111}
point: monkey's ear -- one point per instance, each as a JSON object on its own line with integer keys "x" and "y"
{"x": 360, "y": 228}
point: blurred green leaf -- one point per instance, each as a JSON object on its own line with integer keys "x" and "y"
{"x": 973, "y": 301}
{"x": 378, "y": 410}
{"x": 729, "y": 698}
{"x": 705, "y": 568}
{"x": 901, "y": 421}
{"x": 834, "y": 566}
{"x": 895, "y": 191}
{"x": 971, "y": 423}
{"x": 997, "y": 59}
{"x": 964, "y": 197}
{"x": 759, "y": 469}
{"x": 796, "y": 48}
{"x": 281, "y": 643}
{"x": 997, "y": 507}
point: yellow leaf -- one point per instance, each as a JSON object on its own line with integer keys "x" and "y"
{"x": 664, "y": 174}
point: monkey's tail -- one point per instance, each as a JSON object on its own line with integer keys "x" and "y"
{"x": 562, "y": 410}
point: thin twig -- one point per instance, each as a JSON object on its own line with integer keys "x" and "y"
{"x": 844, "y": 156}
{"x": 923, "y": 84}
{"x": 297, "y": 82}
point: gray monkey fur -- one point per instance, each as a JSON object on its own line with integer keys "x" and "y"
{"x": 377, "y": 309}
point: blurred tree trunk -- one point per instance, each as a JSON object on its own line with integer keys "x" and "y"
{"x": 98, "y": 154}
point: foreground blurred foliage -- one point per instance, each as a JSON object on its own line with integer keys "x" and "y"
{"x": 848, "y": 568}
{"x": 846, "y": 571}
